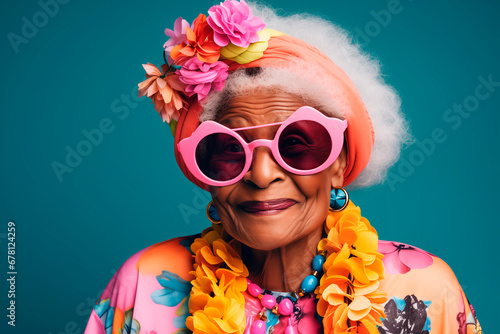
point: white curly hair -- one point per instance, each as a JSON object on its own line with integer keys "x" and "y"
{"x": 381, "y": 100}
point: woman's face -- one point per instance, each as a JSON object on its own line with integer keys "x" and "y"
{"x": 270, "y": 207}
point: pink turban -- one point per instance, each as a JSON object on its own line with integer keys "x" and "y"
{"x": 359, "y": 135}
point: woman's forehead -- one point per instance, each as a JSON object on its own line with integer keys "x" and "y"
{"x": 259, "y": 108}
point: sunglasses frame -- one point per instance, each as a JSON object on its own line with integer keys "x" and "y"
{"x": 334, "y": 126}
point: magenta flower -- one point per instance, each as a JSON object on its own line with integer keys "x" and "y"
{"x": 201, "y": 77}
{"x": 233, "y": 21}
{"x": 462, "y": 323}
{"x": 401, "y": 258}
{"x": 177, "y": 36}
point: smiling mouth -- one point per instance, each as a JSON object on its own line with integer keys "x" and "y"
{"x": 266, "y": 207}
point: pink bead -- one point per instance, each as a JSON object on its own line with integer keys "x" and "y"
{"x": 285, "y": 307}
{"x": 290, "y": 330}
{"x": 268, "y": 301}
{"x": 254, "y": 290}
{"x": 259, "y": 327}
{"x": 249, "y": 282}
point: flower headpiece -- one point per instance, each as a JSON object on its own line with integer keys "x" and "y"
{"x": 197, "y": 56}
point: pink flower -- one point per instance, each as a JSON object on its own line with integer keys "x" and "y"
{"x": 177, "y": 36}
{"x": 233, "y": 21}
{"x": 201, "y": 77}
{"x": 400, "y": 258}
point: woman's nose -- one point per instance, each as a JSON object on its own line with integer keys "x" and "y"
{"x": 264, "y": 170}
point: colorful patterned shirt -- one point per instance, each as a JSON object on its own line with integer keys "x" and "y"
{"x": 149, "y": 295}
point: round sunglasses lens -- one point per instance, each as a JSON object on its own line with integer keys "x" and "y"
{"x": 220, "y": 157}
{"x": 305, "y": 145}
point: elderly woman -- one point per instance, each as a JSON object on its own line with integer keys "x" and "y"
{"x": 274, "y": 129}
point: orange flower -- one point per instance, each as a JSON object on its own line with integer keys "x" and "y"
{"x": 351, "y": 318}
{"x": 200, "y": 41}
{"x": 349, "y": 299}
{"x": 163, "y": 87}
{"x": 335, "y": 321}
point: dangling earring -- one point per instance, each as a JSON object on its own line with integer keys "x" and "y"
{"x": 212, "y": 214}
{"x": 339, "y": 198}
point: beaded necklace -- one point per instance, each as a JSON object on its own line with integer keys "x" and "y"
{"x": 349, "y": 299}
{"x": 285, "y": 306}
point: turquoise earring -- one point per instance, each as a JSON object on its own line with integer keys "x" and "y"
{"x": 339, "y": 198}
{"x": 212, "y": 214}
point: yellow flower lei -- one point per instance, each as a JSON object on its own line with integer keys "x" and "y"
{"x": 349, "y": 299}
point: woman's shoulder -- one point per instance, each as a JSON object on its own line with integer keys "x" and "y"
{"x": 169, "y": 258}
{"x": 422, "y": 291}
{"x": 410, "y": 270}
{"x": 402, "y": 259}
{"x": 147, "y": 291}
{"x": 171, "y": 255}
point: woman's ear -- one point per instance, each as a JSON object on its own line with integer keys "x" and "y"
{"x": 337, "y": 169}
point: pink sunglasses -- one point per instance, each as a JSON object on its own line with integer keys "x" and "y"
{"x": 306, "y": 143}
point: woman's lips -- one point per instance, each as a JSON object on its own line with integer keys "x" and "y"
{"x": 267, "y": 207}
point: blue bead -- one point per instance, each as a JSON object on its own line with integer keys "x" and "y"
{"x": 317, "y": 263}
{"x": 309, "y": 284}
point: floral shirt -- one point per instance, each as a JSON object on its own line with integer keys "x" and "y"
{"x": 149, "y": 295}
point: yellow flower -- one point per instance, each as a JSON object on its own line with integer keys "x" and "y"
{"x": 230, "y": 277}
{"x": 205, "y": 278}
{"x": 217, "y": 303}
{"x": 230, "y": 285}
{"x": 230, "y": 257}
{"x": 197, "y": 300}
{"x": 220, "y": 315}
{"x": 245, "y": 55}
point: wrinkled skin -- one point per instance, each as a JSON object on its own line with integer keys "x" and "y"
{"x": 280, "y": 243}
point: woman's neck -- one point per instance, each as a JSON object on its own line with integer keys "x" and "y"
{"x": 282, "y": 269}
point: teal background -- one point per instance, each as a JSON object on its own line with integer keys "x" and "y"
{"x": 85, "y": 62}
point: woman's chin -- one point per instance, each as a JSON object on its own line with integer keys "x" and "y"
{"x": 267, "y": 244}
{"x": 268, "y": 231}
